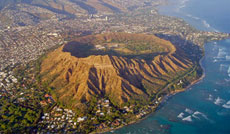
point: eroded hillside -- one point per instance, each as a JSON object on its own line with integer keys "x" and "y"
{"x": 78, "y": 78}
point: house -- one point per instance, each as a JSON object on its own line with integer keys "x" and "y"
{"x": 47, "y": 96}
{"x": 43, "y": 117}
{"x": 57, "y": 115}
{"x": 98, "y": 111}
{"x": 159, "y": 98}
{"x": 53, "y": 34}
{"x": 181, "y": 82}
{"x": 49, "y": 100}
{"x": 99, "y": 47}
{"x": 106, "y": 105}
{"x": 80, "y": 119}
{"x": 43, "y": 103}
{"x": 22, "y": 99}
{"x": 101, "y": 126}
{"x": 106, "y": 101}
{"x": 102, "y": 114}
{"x": 52, "y": 126}
{"x": 114, "y": 45}
{"x": 139, "y": 115}
{"x": 59, "y": 110}
{"x": 63, "y": 117}
{"x": 116, "y": 123}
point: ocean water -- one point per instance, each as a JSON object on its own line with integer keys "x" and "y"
{"x": 205, "y": 107}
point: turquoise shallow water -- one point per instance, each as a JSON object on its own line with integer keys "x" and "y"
{"x": 205, "y": 107}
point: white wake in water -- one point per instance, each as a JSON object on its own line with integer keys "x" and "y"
{"x": 227, "y": 105}
{"x": 193, "y": 17}
{"x": 227, "y": 57}
{"x": 205, "y": 23}
{"x": 188, "y": 118}
{"x": 222, "y": 53}
{"x": 182, "y": 4}
{"x": 189, "y": 115}
{"x": 198, "y": 114}
{"x": 188, "y": 111}
{"x": 181, "y": 115}
{"x": 210, "y": 97}
{"x": 224, "y": 67}
{"x": 219, "y": 101}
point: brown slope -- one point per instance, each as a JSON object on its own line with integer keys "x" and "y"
{"x": 78, "y": 79}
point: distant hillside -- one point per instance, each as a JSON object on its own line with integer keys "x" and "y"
{"x": 112, "y": 65}
{"x": 74, "y": 6}
{"x": 4, "y": 3}
{"x": 31, "y": 12}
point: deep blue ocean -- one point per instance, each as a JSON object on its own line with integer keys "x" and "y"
{"x": 205, "y": 107}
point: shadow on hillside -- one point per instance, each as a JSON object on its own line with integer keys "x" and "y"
{"x": 58, "y": 11}
{"x": 88, "y": 8}
{"x": 114, "y": 9}
{"x": 191, "y": 50}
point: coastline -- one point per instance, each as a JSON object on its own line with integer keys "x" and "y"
{"x": 192, "y": 83}
{"x": 161, "y": 102}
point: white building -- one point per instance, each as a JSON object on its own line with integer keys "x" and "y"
{"x": 80, "y": 119}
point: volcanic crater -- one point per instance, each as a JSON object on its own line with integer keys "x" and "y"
{"x": 119, "y": 66}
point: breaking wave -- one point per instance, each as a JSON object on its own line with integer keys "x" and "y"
{"x": 202, "y": 114}
{"x": 227, "y": 105}
{"x": 189, "y": 115}
{"x": 182, "y": 4}
{"x": 205, "y": 23}
{"x": 222, "y": 53}
{"x": 227, "y": 57}
{"x": 210, "y": 97}
{"x": 181, "y": 115}
{"x": 223, "y": 67}
{"x": 188, "y": 111}
{"x": 188, "y": 118}
{"x": 218, "y": 101}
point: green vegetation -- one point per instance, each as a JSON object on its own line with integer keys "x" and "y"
{"x": 141, "y": 47}
{"x": 21, "y": 109}
{"x": 180, "y": 82}
{"x": 17, "y": 117}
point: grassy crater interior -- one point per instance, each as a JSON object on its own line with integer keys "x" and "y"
{"x": 118, "y": 44}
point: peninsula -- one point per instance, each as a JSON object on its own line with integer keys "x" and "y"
{"x": 91, "y": 66}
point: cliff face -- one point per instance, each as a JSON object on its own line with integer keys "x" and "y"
{"x": 78, "y": 79}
